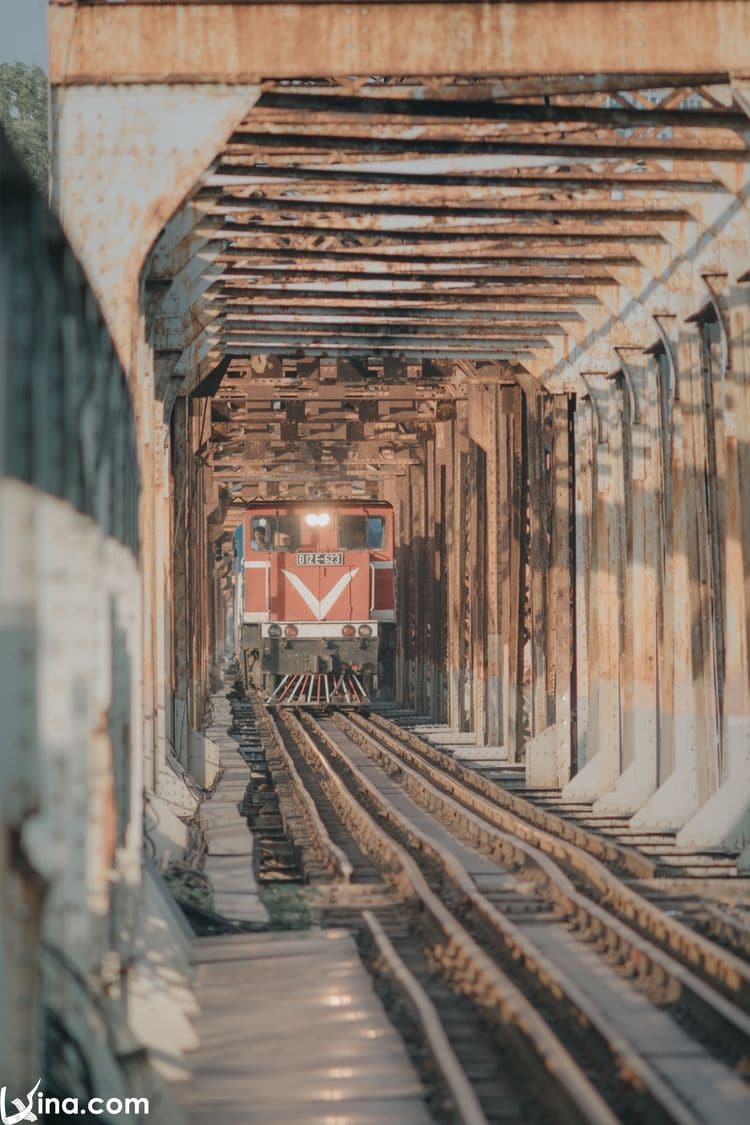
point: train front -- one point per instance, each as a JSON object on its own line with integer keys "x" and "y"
{"x": 318, "y": 593}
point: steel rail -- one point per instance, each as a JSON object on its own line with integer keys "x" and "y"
{"x": 608, "y": 851}
{"x": 587, "y": 916}
{"x": 552, "y": 976}
{"x": 465, "y": 1102}
{"x": 571, "y": 844}
{"x": 333, "y": 857}
{"x": 479, "y": 977}
{"x": 721, "y": 925}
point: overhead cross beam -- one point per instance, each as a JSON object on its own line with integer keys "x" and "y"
{"x": 427, "y": 236}
{"x": 467, "y": 109}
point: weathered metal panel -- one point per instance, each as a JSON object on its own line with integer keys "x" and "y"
{"x": 183, "y": 42}
{"x": 69, "y": 650}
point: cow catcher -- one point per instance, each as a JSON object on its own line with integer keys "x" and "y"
{"x": 315, "y": 600}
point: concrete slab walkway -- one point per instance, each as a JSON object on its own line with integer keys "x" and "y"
{"x": 229, "y": 864}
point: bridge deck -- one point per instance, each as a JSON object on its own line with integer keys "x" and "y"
{"x": 291, "y": 1030}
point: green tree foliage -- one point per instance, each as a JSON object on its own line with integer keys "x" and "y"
{"x": 24, "y": 115}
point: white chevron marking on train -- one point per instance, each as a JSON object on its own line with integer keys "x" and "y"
{"x": 320, "y": 606}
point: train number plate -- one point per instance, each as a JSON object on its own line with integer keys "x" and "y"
{"x": 320, "y": 558}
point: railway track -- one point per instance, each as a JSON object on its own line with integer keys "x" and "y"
{"x": 640, "y": 885}
{"x": 534, "y": 983}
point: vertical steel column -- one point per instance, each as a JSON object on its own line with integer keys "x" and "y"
{"x": 478, "y": 616}
{"x": 180, "y": 594}
{"x": 430, "y": 578}
{"x": 418, "y": 493}
{"x": 443, "y": 455}
{"x": 605, "y": 605}
{"x": 494, "y": 652}
{"x": 644, "y": 579}
{"x": 511, "y": 518}
{"x": 536, "y": 406}
{"x": 563, "y": 641}
{"x": 688, "y": 612}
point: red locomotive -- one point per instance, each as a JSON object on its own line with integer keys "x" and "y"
{"x": 315, "y": 600}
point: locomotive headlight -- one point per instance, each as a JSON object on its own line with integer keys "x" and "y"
{"x": 365, "y": 630}
{"x": 274, "y": 631}
{"x": 291, "y": 631}
{"x": 317, "y": 519}
{"x": 348, "y": 631}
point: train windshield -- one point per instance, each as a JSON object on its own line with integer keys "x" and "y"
{"x": 364, "y": 533}
{"x": 274, "y": 533}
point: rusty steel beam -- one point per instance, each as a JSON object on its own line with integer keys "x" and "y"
{"x": 616, "y": 117}
{"x": 459, "y": 87}
{"x": 417, "y": 288}
{"x": 410, "y": 354}
{"x": 300, "y": 336}
{"x": 448, "y": 146}
{"x": 236, "y": 170}
{"x": 262, "y": 468}
{"x": 255, "y": 343}
{"x": 249, "y": 236}
{"x": 241, "y": 325}
{"x": 412, "y": 325}
{"x": 357, "y": 256}
{"x": 344, "y": 158}
{"x": 571, "y": 225}
{"x": 539, "y": 270}
{"x": 384, "y": 391}
{"x": 231, "y": 43}
{"x": 228, "y": 204}
{"x": 363, "y": 313}
{"x": 545, "y": 295}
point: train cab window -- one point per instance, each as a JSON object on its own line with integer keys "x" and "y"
{"x": 364, "y": 533}
{"x": 261, "y": 533}
{"x": 352, "y": 533}
{"x": 274, "y": 533}
{"x": 287, "y": 533}
{"x": 375, "y": 532}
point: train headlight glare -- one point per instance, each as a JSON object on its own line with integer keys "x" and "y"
{"x": 274, "y": 631}
{"x": 317, "y": 519}
{"x": 365, "y": 630}
{"x": 291, "y": 631}
{"x": 348, "y": 631}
